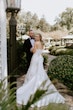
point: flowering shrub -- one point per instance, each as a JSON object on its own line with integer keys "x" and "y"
{"x": 62, "y": 69}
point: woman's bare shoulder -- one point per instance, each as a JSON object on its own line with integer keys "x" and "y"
{"x": 37, "y": 43}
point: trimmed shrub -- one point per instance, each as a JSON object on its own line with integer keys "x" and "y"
{"x": 53, "y": 49}
{"x": 62, "y": 69}
{"x": 59, "y": 50}
{"x": 52, "y": 52}
{"x": 64, "y": 51}
{"x": 50, "y": 48}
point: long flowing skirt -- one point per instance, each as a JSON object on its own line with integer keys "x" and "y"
{"x": 34, "y": 79}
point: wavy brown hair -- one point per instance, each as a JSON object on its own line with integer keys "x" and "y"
{"x": 40, "y": 38}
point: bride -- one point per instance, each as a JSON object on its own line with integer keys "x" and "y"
{"x": 34, "y": 78}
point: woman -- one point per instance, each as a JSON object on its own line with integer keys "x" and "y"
{"x": 35, "y": 76}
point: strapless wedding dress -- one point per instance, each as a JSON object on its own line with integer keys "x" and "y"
{"x": 34, "y": 78}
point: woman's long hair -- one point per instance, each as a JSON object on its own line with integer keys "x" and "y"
{"x": 40, "y": 38}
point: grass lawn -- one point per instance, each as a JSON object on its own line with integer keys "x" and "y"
{"x": 52, "y": 107}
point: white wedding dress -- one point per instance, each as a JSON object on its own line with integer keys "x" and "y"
{"x": 35, "y": 76}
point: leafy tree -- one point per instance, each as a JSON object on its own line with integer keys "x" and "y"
{"x": 43, "y": 25}
{"x": 35, "y": 21}
{"x": 32, "y": 21}
{"x": 65, "y": 19}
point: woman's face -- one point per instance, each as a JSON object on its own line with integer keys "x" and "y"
{"x": 37, "y": 38}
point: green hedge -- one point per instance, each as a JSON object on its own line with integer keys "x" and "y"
{"x": 53, "y": 49}
{"x": 20, "y": 59}
{"x": 62, "y": 69}
{"x": 57, "y": 50}
{"x": 64, "y": 51}
{"x": 21, "y": 63}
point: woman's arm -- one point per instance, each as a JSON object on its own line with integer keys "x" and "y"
{"x": 33, "y": 49}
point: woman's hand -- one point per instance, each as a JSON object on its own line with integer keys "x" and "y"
{"x": 33, "y": 49}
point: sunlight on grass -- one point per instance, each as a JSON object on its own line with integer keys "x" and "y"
{"x": 52, "y": 107}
